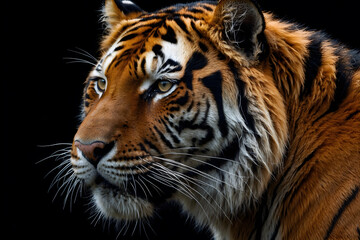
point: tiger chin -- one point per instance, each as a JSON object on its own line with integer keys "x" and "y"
{"x": 252, "y": 124}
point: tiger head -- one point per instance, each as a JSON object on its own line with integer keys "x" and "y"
{"x": 181, "y": 106}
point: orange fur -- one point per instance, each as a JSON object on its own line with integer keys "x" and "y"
{"x": 308, "y": 187}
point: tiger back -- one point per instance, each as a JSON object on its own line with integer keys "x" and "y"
{"x": 252, "y": 124}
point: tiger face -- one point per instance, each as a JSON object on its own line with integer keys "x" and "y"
{"x": 163, "y": 118}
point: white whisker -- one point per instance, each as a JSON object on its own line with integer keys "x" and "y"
{"x": 84, "y": 53}
{"x": 194, "y": 170}
{"x": 55, "y": 145}
{"x": 185, "y": 189}
{"x": 79, "y": 60}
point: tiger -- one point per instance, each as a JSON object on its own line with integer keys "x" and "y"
{"x": 250, "y": 122}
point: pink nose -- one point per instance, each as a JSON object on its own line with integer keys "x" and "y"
{"x": 93, "y": 151}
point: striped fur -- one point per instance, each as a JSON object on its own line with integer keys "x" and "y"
{"x": 251, "y": 123}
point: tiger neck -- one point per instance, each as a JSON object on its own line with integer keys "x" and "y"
{"x": 301, "y": 61}
{"x": 296, "y": 56}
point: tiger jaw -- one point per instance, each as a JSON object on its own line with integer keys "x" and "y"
{"x": 114, "y": 202}
{"x": 111, "y": 188}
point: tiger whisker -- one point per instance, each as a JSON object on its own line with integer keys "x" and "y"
{"x": 185, "y": 191}
{"x": 64, "y": 178}
{"x": 54, "y": 145}
{"x": 158, "y": 190}
{"x": 84, "y": 53}
{"x": 167, "y": 182}
{"x": 199, "y": 183}
{"x": 96, "y": 217}
{"x": 216, "y": 167}
{"x": 64, "y": 184}
{"x": 55, "y": 155}
{"x": 194, "y": 181}
{"x": 134, "y": 229}
{"x": 64, "y": 165}
{"x": 79, "y": 60}
{"x": 142, "y": 182}
{"x": 201, "y": 156}
{"x": 73, "y": 184}
{"x": 133, "y": 185}
{"x": 194, "y": 170}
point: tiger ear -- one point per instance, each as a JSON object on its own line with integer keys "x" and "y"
{"x": 117, "y": 10}
{"x": 242, "y": 24}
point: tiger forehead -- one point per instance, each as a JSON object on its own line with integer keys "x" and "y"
{"x": 141, "y": 34}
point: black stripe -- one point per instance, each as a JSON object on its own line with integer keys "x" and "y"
{"x": 150, "y": 26}
{"x": 207, "y": 8}
{"x": 128, "y": 37}
{"x": 181, "y": 24}
{"x": 196, "y": 10}
{"x": 143, "y": 62}
{"x": 203, "y": 126}
{"x": 172, "y": 135}
{"x": 214, "y": 83}
{"x": 206, "y": 115}
{"x": 126, "y": 53}
{"x": 184, "y": 15}
{"x": 352, "y": 114}
{"x": 242, "y": 100}
{"x": 196, "y": 30}
{"x": 135, "y": 66}
{"x": 292, "y": 192}
{"x": 181, "y": 100}
{"x": 170, "y": 35}
{"x": 341, "y": 210}
{"x": 203, "y": 47}
{"x": 196, "y": 62}
{"x": 163, "y": 138}
{"x": 307, "y": 159}
{"x": 312, "y": 64}
{"x": 344, "y": 74}
{"x": 118, "y": 48}
{"x": 343, "y": 81}
{"x": 191, "y": 106}
{"x": 151, "y": 145}
{"x": 157, "y": 50}
{"x": 170, "y": 66}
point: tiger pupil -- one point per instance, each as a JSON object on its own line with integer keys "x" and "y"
{"x": 164, "y": 85}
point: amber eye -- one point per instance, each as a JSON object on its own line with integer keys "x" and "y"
{"x": 101, "y": 84}
{"x": 164, "y": 85}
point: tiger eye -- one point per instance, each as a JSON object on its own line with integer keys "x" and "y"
{"x": 164, "y": 85}
{"x": 101, "y": 84}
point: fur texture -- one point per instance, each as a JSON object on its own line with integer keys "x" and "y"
{"x": 251, "y": 123}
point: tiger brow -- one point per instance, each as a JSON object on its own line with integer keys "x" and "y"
{"x": 170, "y": 66}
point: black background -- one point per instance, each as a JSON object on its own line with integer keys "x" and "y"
{"x": 40, "y": 97}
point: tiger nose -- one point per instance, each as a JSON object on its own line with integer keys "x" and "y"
{"x": 94, "y": 151}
